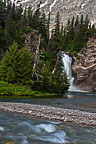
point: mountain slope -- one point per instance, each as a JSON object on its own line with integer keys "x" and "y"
{"x": 67, "y": 8}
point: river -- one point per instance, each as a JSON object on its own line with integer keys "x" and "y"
{"x": 20, "y": 130}
{"x": 17, "y": 129}
{"x": 71, "y": 100}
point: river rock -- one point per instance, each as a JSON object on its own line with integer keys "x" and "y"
{"x": 84, "y": 67}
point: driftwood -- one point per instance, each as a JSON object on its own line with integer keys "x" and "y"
{"x": 36, "y": 54}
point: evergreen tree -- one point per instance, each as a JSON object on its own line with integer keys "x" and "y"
{"x": 93, "y": 30}
{"x": 57, "y": 83}
{"x": 8, "y": 6}
{"x": 33, "y": 29}
{"x": 55, "y": 40}
{"x": 2, "y": 12}
{"x": 16, "y": 66}
{"x": 70, "y": 31}
{"x": 2, "y": 40}
{"x": 67, "y": 37}
{"x": 13, "y": 12}
{"x": 76, "y": 22}
{"x": 48, "y": 29}
{"x": 85, "y": 29}
{"x": 43, "y": 30}
{"x": 29, "y": 16}
{"x": 18, "y": 14}
{"x": 76, "y": 44}
{"x": 57, "y": 24}
{"x": 24, "y": 19}
{"x": 9, "y": 29}
{"x": 36, "y": 18}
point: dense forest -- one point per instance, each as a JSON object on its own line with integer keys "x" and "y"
{"x": 31, "y": 53}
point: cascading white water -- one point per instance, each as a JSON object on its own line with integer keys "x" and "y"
{"x": 67, "y": 61}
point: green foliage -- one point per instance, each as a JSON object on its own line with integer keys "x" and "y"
{"x": 27, "y": 29}
{"x": 60, "y": 83}
{"x": 2, "y": 40}
{"x": 12, "y": 90}
{"x": 77, "y": 33}
{"x": 45, "y": 55}
{"x": 52, "y": 83}
{"x": 16, "y": 66}
{"x": 24, "y": 28}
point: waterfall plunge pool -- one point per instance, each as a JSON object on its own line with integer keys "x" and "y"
{"x": 16, "y": 129}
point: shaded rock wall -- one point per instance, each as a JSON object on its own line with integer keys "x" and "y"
{"x": 84, "y": 68}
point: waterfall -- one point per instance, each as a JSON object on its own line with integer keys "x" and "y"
{"x": 67, "y": 61}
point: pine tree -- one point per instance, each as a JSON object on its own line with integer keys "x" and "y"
{"x": 36, "y": 18}
{"x": 76, "y": 22}
{"x": 70, "y": 31}
{"x": 13, "y": 11}
{"x": 9, "y": 6}
{"x": 16, "y": 66}
{"x": 2, "y": 40}
{"x": 55, "y": 40}
{"x": 48, "y": 28}
{"x": 8, "y": 64}
{"x": 55, "y": 45}
{"x": 23, "y": 70}
{"x": 2, "y": 12}
{"x": 24, "y": 19}
{"x": 29, "y": 16}
{"x": 57, "y": 24}
{"x": 19, "y": 11}
{"x": 9, "y": 29}
{"x": 43, "y": 31}
{"x": 67, "y": 37}
{"x": 76, "y": 44}
{"x": 93, "y": 30}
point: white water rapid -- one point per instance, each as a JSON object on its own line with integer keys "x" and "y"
{"x": 67, "y": 61}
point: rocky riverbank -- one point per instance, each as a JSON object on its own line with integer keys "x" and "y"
{"x": 51, "y": 113}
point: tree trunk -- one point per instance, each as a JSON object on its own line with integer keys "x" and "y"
{"x": 36, "y": 54}
{"x": 57, "y": 59}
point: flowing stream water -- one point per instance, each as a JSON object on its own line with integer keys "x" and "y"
{"x": 16, "y": 129}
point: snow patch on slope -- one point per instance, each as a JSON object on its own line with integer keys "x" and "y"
{"x": 52, "y": 5}
{"x": 82, "y": 6}
{"x": 36, "y": 1}
{"x": 93, "y": 22}
{"x": 43, "y": 5}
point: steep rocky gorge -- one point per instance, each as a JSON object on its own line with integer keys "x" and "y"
{"x": 84, "y": 67}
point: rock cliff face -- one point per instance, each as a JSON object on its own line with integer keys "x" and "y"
{"x": 67, "y": 8}
{"x": 84, "y": 68}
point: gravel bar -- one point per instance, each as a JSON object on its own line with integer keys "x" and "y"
{"x": 51, "y": 113}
